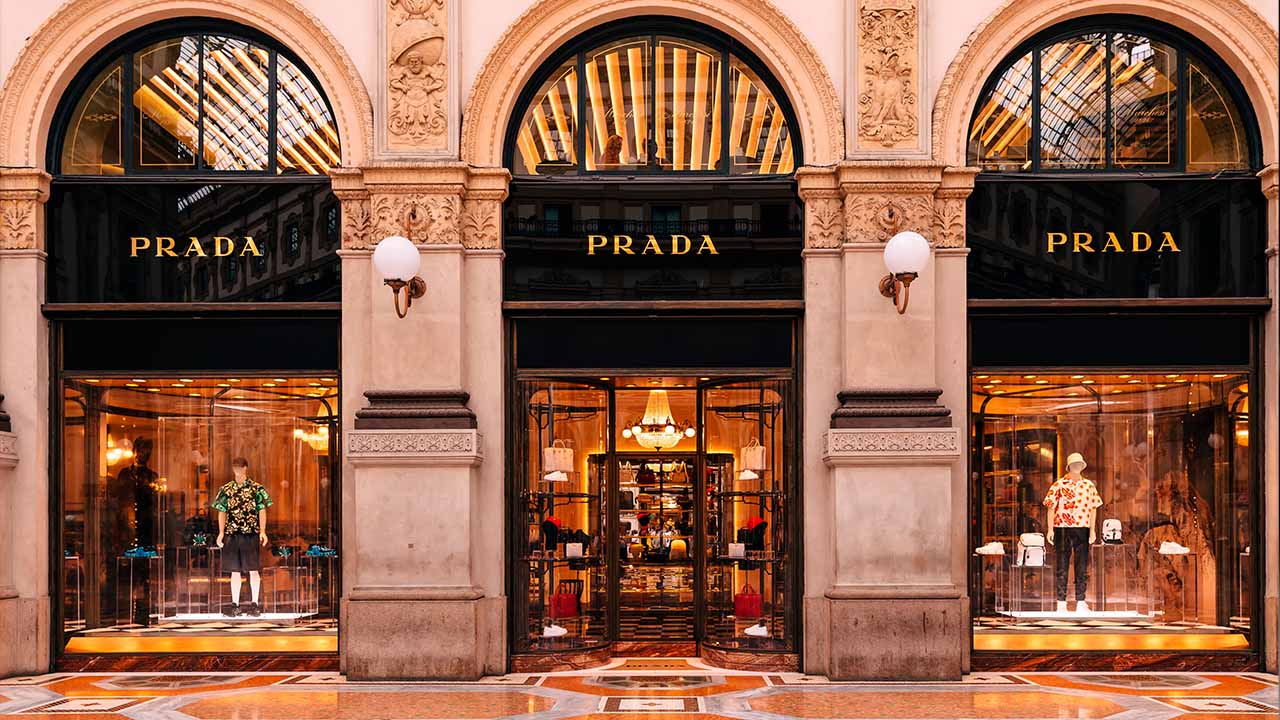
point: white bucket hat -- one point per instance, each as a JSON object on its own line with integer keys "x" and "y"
{"x": 1074, "y": 458}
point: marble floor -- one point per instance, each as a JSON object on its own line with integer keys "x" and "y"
{"x": 638, "y": 689}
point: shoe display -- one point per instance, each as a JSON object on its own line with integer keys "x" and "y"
{"x": 316, "y": 550}
{"x": 748, "y": 475}
{"x": 556, "y": 476}
{"x": 1172, "y": 548}
{"x": 1062, "y": 606}
{"x": 254, "y": 610}
{"x": 757, "y": 630}
{"x": 231, "y": 610}
{"x": 1082, "y": 607}
{"x": 995, "y": 547}
{"x": 141, "y": 552}
{"x": 554, "y": 630}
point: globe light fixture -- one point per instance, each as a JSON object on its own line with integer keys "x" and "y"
{"x": 397, "y": 260}
{"x": 905, "y": 255}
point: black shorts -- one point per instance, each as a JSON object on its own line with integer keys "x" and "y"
{"x": 240, "y": 552}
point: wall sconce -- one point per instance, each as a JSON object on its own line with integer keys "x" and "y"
{"x": 905, "y": 255}
{"x": 397, "y": 260}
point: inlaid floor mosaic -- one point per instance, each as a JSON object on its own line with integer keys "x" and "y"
{"x": 638, "y": 689}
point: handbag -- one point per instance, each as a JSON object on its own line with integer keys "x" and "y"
{"x": 748, "y": 603}
{"x": 679, "y": 550}
{"x": 1111, "y": 531}
{"x": 737, "y": 550}
{"x": 557, "y": 457}
{"x": 1031, "y": 550}
{"x": 565, "y": 601}
{"x": 626, "y": 499}
{"x": 681, "y": 473}
{"x": 753, "y": 456}
{"x": 627, "y": 473}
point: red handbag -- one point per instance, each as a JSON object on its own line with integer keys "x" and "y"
{"x": 748, "y": 603}
{"x": 565, "y": 602}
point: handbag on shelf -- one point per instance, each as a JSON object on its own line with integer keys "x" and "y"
{"x": 1111, "y": 531}
{"x": 646, "y": 476}
{"x": 753, "y": 456}
{"x": 565, "y": 602}
{"x": 557, "y": 457}
{"x": 737, "y": 550}
{"x": 626, "y": 499}
{"x": 627, "y": 473}
{"x": 679, "y": 550}
{"x": 1031, "y": 550}
{"x": 680, "y": 474}
{"x": 748, "y": 603}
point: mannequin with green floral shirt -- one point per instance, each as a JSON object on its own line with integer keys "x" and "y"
{"x": 242, "y": 530}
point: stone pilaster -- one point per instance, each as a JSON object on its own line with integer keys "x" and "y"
{"x": 1270, "y": 177}
{"x": 418, "y": 106}
{"x": 886, "y": 91}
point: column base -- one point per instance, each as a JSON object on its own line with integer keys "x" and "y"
{"x": 422, "y": 639}
{"x": 896, "y": 638}
{"x": 1272, "y": 616}
{"x": 24, "y": 636}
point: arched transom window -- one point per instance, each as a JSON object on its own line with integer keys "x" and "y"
{"x": 197, "y": 102}
{"x": 653, "y": 103}
{"x": 1109, "y": 99}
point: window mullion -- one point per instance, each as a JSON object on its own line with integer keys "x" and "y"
{"x": 1108, "y": 159}
{"x": 273, "y": 110}
{"x": 200, "y": 47}
{"x": 584, "y": 122}
{"x": 1036, "y": 90}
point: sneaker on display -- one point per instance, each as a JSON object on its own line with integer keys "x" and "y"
{"x": 1172, "y": 548}
{"x": 748, "y": 475}
{"x": 995, "y": 547}
{"x": 556, "y": 476}
{"x": 254, "y": 610}
{"x": 1082, "y": 606}
{"x": 232, "y": 610}
{"x": 1062, "y": 606}
{"x": 757, "y": 630}
{"x": 554, "y": 630}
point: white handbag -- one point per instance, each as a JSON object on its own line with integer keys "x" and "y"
{"x": 737, "y": 550}
{"x": 753, "y": 456}
{"x": 558, "y": 456}
{"x": 627, "y": 473}
{"x": 573, "y": 550}
{"x": 1031, "y": 549}
{"x": 1111, "y": 531}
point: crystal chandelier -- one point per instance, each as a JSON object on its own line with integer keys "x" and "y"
{"x": 657, "y": 429}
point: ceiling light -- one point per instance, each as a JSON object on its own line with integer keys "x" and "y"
{"x": 233, "y": 379}
{"x": 996, "y": 382}
{"x": 1162, "y": 385}
{"x": 1134, "y": 382}
{"x": 1172, "y": 376}
{"x": 983, "y": 377}
{"x": 1076, "y": 377}
{"x": 1124, "y": 377}
{"x": 1220, "y": 375}
{"x": 1029, "y": 377}
{"x": 268, "y": 384}
{"x": 280, "y": 380}
{"x": 177, "y": 385}
{"x": 93, "y": 381}
{"x": 998, "y": 392}
{"x": 139, "y": 380}
{"x": 131, "y": 384}
{"x": 185, "y": 380}
{"x": 1086, "y": 382}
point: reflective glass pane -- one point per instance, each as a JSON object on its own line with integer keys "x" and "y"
{"x": 618, "y": 106}
{"x": 1073, "y": 103}
{"x": 546, "y": 141}
{"x": 306, "y": 135}
{"x": 167, "y": 103}
{"x": 687, "y": 105}
{"x": 1215, "y": 132}
{"x": 759, "y": 139}
{"x": 92, "y": 143}
{"x": 236, "y": 115}
{"x": 1001, "y": 129}
{"x": 1144, "y": 97}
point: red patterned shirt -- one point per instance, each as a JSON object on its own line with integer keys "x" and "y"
{"x": 1073, "y": 502}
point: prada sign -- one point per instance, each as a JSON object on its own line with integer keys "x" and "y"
{"x": 218, "y": 246}
{"x": 1134, "y": 242}
{"x": 650, "y": 245}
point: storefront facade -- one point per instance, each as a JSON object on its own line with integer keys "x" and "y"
{"x": 652, "y": 400}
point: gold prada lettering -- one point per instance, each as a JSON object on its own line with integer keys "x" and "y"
{"x": 138, "y": 243}
{"x": 163, "y": 246}
{"x": 594, "y": 242}
{"x": 672, "y": 245}
{"x": 1137, "y": 241}
{"x": 250, "y": 247}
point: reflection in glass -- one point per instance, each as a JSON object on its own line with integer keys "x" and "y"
{"x": 546, "y": 138}
{"x": 167, "y": 102}
{"x": 619, "y": 132}
{"x": 1169, "y": 454}
{"x": 1143, "y": 102}
{"x": 1215, "y": 133}
{"x": 687, "y": 106}
{"x": 1073, "y": 103}
{"x": 142, "y": 461}
{"x": 306, "y": 138}
{"x": 235, "y": 104}
{"x": 1001, "y": 130}
{"x": 759, "y": 139}
{"x": 92, "y": 143}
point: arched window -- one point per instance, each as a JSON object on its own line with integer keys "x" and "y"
{"x": 190, "y": 102}
{"x": 1111, "y": 96}
{"x": 677, "y": 101}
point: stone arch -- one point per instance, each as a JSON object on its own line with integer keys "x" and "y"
{"x": 70, "y": 37}
{"x": 757, "y": 24}
{"x": 1244, "y": 40}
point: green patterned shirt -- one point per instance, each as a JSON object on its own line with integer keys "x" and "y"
{"x": 241, "y": 501}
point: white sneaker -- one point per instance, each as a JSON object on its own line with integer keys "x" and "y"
{"x": 1062, "y": 606}
{"x": 554, "y": 630}
{"x": 995, "y": 547}
{"x": 556, "y": 476}
{"x": 748, "y": 475}
{"x": 1173, "y": 548}
{"x": 757, "y": 630}
{"x": 1082, "y": 607}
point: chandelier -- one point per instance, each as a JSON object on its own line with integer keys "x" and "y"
{"x": 657, "y": 429}
{"x": 318, "y": 440}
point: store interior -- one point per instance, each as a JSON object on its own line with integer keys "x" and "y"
{"x": 1170, "y": 563}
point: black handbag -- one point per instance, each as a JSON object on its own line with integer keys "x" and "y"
{"x": 626, "y": 500}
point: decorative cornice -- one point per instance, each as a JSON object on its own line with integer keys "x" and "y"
{"x": 890, "y": 408}
{"x": 429, "y": 447}
{"x": 900, "y": 445}
{"x": 415, "y": 410}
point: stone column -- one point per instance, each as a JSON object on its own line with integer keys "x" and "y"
{"x": 1271, "y": 423}
{"x": 24, "y": 377}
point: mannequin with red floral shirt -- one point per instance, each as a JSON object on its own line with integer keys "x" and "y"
{"x": 1072, "y": 503}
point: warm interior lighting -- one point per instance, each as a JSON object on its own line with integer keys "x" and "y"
{"x": 657, "y": 429}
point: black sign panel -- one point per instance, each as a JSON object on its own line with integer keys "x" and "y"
{"x": 652, "y": 343}
{"x": 1176, "y": 238}
{"x": 193, "y": 242}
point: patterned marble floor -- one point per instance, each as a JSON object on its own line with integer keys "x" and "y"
{"x": 638, "y": 689}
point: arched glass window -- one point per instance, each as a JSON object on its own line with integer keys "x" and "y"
{"x": 199, "y": 102}
{"x": 653, "y": 103}
{"x": 1109, "y": 99}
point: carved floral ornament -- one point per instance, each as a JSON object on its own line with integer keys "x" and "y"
{"x": 875, "y": 217}
{"x": 888, "y": 46}
{"x": 430, "y": 218}
{"x": 417, "y": 74}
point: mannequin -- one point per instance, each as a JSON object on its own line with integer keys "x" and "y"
{"x": 242, "y": 530}
{"x": 1072, "y": 503}
{"x": 138, "y": 484}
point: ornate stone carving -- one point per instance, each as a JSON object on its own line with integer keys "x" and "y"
{"x": 357, "y": 222}
{"x": 482, "y": 227}
{"x": 824, "y": 222}
{"x": 888, "y": 48}
{"x": 948, "y": 222}
{"x": 876, "y": 217}
{"x": 426, "y": 218}
{"x": 8, "y": 449}
{"x": 904, "y": 442}
{"x": 22, "y": 195}
{"x": 417, "y": 75}
{"x": 413, "y": 443}
{"x": 17, "y": 224}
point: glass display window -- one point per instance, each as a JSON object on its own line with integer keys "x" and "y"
{"x": 1154, "y": 535}
{"x": 199, "y": 509}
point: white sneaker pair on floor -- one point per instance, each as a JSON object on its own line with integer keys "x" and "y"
{"x": 1081, "y": 607}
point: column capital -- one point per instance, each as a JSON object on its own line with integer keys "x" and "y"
{"x": 1270, "y": 176}
{"x": 23, "y": 193}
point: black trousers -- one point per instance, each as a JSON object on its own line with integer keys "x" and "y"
{"x": 1071, "y": 547}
